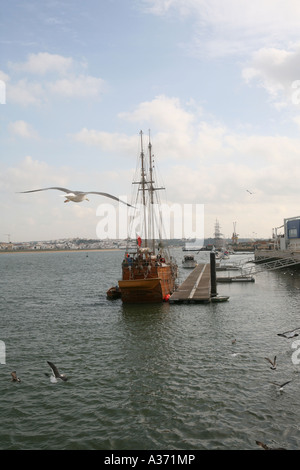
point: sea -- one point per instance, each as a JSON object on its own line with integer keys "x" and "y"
{"x": 172, "y": 377}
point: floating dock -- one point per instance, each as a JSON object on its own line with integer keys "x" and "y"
{"x": 196, "y": 288}
{"x": 236, "y": 279}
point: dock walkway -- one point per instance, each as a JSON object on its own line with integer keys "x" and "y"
{"x": 196, "y": 288}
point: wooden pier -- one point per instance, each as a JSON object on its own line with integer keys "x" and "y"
{"x": 196, "y": 288}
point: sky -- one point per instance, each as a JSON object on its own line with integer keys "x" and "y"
{"x": 216, "y": 81}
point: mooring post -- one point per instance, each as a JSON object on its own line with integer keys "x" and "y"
{"x": 213, "y": 275}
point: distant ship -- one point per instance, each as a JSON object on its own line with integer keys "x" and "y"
{"x": 148, "y": 272}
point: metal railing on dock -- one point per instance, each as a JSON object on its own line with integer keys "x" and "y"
{"x": 267, "y": 262}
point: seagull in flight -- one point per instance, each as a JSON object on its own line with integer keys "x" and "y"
{"x": 14, "y": 377}
{"x": 281, "y": 385}
{"x": 273, "y": 363}
{"x": 55, "y": 374}
{"x": 265, "y": 447}
{"x": 289, "y": 334}
{"x": 76, "y": 196}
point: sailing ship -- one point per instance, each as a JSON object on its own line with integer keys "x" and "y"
{"x": 149, "y": 272}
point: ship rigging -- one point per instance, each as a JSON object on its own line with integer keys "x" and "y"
{"x": 148, "y": 271}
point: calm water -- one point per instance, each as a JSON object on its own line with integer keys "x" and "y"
{"x": 143, "y": 377}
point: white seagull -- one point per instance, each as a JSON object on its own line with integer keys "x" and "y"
{"x": 76, "y": 196}
{"x": 55, "y": 374}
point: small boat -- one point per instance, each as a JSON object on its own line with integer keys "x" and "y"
{"x": 225, "y": 255}
{"x": 189, "y": 262}
{"x": 113, "y": 293}
{"x": 222, "y": 255}
{"x": 220, "y": 298}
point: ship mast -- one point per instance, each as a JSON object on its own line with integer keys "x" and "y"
{"x": 143, "y": 188}
{"x": 146, "y": 185}
{"x": 151, "y": 191}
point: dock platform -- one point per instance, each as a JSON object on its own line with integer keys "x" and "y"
{"x": 196, "y": 288}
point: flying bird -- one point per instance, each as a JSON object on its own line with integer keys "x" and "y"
{"x": 265, "y": 447}
{"x": 273, "y": 363}
{"x": 289, "y": 334}
{"x": 281, "y": 385}
{"x": 76, "y": 196}
{"x": 14, "y": 377}
{"x": 56, "y": 375}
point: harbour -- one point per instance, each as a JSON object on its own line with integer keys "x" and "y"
{"x": 156, "y": 376}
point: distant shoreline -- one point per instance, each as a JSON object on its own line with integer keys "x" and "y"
{"x": 85, "y": 250}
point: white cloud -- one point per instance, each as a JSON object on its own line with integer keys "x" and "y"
{"x": 160, "y": 113}
{"x": 22, "y": 129}
{"x": 191, "y": 137}
{"x": 278, "y": 72}
{"x": 4, "y": 77}
{"x": 57, "y": 76}
{"x": 296, "y": 120}
{"x": 31, "y": 174}
{"x": 43, "y": 63}
{"x": 110, "y": 142}
{"x": 167, "y": 113}
{"x": 25, "y": 93}
{"x": 80, "y": 86}
{"x": 233, "y": 26}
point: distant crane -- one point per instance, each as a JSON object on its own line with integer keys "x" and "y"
{"x": 8, "y": 236}
{"x": 234, "y": 237}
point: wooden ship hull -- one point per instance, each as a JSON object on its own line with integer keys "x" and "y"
{"x": 156, "y": 287}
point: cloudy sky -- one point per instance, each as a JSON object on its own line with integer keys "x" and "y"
{"x": 216, "y": 81}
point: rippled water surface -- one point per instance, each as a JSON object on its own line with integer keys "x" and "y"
{"x": 143, "y": 377}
